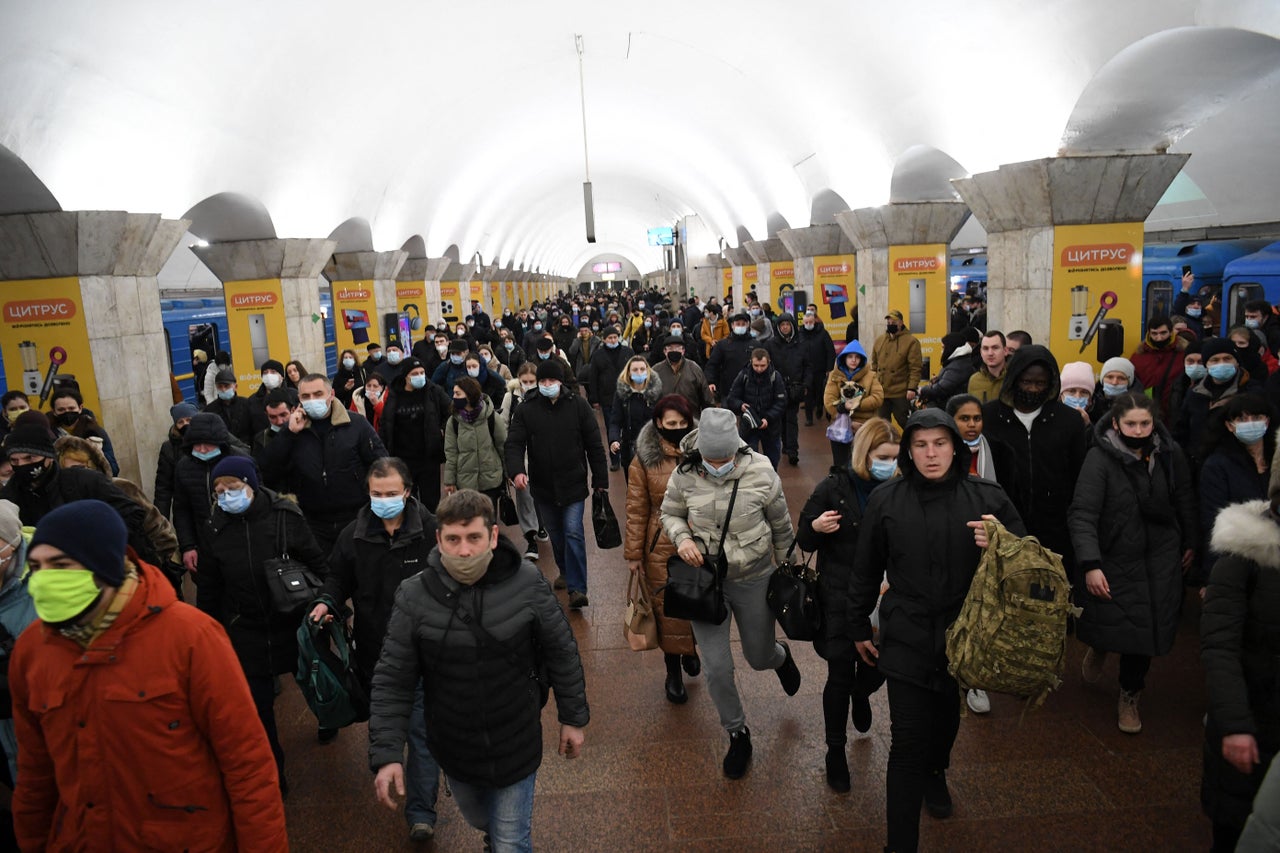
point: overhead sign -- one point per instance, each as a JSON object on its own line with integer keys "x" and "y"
{"x": 662, "y": 237}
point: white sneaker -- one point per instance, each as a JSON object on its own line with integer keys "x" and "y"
{"x": 978, "y": 702}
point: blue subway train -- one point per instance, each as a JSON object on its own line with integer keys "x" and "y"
{"x": 1164, "y": 263}
{"x": 1250, "y": 277}
{"x": 968, "y": 273}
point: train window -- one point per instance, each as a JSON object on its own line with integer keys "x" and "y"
{"x": 1241, "y": 293}
{"x": 1159, "y": 300}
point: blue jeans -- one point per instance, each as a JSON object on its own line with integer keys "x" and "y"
{"x": 506, "y": 814}
{"x": 421, "y": 773}
{"x": 568, "y": 541}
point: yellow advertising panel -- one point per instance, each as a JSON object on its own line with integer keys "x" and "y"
{"x": 255, "y": 324}
{"x": 834, "y": 294}
{"x": 477, "y": 295}
{"x": 43, "y": 335}
{"x": 782, "y": 276}
{"x": 495, "y": 298}
{"x": 355, "y": 315}
{"x": 452, "y": 302}
{"x": 1096, "y": 311}
{"x": 726, "y": 283}
{"x": 411, "y": 305}
{"x": 918, "y": 287}
{"x": 750, "y": 278}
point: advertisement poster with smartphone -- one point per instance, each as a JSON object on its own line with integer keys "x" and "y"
{"x": 834, "y": 294}
{"x": 918, "y": 287}
{"x": 1096, "y": 312}
{"x": 452, "y": 308}
{"x": 781, "y": 275}
{"x": 43, "y": 336}
{"x": 256, "y": 326}
{"x": 355, "y": 315}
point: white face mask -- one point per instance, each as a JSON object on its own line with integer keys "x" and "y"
{"x": 528, "y": 386}
{"x": 271, "y": 380}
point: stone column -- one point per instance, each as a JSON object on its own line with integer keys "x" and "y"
{"x": 872, "y": 230}
{"x": 377, "y": 270}
{"x": 297, "y": 264}
{"x": 112, "y": 258}
{"x": 1020, "y": 204}
{"x": 766, "y": 253}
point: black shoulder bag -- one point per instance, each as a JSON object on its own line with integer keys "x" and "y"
{"x": 436, "y": 589}
{"x": 292, "y": 585}
{"x": 793, "y": 598}
{"x": 696, "y": 593}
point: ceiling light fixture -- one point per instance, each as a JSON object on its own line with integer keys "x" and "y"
{"x": 588, "y": 206}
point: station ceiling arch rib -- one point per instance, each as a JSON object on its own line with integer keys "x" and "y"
{"x": 229, "y": 216}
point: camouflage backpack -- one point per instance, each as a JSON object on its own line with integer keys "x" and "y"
{"x": 1011, "y": 634}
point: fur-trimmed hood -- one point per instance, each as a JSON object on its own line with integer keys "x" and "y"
{"x": 651, "y": 449}
{"x": 1248, "y": 530}
{"x": 652, "y": 388}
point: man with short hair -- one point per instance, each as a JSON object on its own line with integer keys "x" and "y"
{"x": 232, "y": 408}
{"x": 276, "y": 406}
{"x": 1157, "y": 362}
{"x": 1016, "y": 340}
{"x": 323, "y": 455}
{"x": 135, "y": 726}
{"x": 602, "y": 374}
{"x": 790, "y": 357}
{"x": 559, "y": 433}
{"x": 822, "y": 357}
{"x": 986, "y": 381}
{"x": 453, "y": 368}
{"x": 1260, "y": 318}
{"x": 730, "y": 356}
{"x": 679, "y": 375}
{"x": 389, "y": 542}
{"x": 484, "y": 636}
{"x": 272, "y": 381}
{"x": 759, "y": 397}
{"x": 389, "y": 367}
{"x": 897, "y": 361}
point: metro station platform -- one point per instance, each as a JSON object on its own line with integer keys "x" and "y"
{"x": 1063, "y": 778}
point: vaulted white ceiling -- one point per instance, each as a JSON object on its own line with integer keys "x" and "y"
{"x": 462, "y": 122}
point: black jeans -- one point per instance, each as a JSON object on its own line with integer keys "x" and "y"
{"x": 1133, "y": 672}
{"x": 263, "y": 690}
{"x": 845, "y": 676}
{"x": 426, "y": 485}
{"x": 326, "y": 532}
{"x": 923, "y": 728}
{"x": 791, "y": 429}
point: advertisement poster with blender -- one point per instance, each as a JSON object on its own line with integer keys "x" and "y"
{"x": 44, "y": 338}
{"x": 1097, "y": 292}
{"x": 355, "y": 314}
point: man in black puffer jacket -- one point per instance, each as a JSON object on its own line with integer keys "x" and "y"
{"x": 916, "y": 534}
{"x": 483, "y": 632}
{"x": 791, "y": 359}
{"x": 759, "y": 396}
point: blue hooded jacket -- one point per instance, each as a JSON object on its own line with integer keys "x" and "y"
{"x": 854, "y": 347}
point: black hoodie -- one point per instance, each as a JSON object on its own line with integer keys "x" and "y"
{"x": 193, "y": 478}
{"x": 1046, "y": 460}
{"x": 914, "y": 532}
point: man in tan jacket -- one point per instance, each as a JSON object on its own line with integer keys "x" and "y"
{"x": 897, "y": 362}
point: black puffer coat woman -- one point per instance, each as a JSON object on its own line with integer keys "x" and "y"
{"x": 631, "y": 409}
{"x": 1133, "y": 525}
{"x": 1240, "y": 649}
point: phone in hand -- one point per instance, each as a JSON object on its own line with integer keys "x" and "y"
{"x": 1186, "y": 268}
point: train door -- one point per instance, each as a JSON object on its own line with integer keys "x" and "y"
{"x": 203, "y": 336}
{"x": 1159, "y": 300}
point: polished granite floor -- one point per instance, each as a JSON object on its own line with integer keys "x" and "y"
{"x": 1060, "y": 778}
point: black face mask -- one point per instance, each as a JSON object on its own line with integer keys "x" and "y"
{"x": 893, "y": 329}
{"x": 1134, "y": 442}
{"x": 1028, "y": 401}
{"x": 67, "y": 418}
{"x": 30, "y": 474}
{"x": 673, "y": 436}
{"x": 674, "y": 356}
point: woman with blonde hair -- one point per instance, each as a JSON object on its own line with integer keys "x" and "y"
{"x": 829, "y": 526}
{"x": 638, "y": 391}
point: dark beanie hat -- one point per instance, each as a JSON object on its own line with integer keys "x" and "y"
{"x": 29, "y": 438}
{"x": 33, "y": 418}
{"x": 272, "y": 364}
{"x": 550, "y": 369}
{"x": 1217, "y": 346}
{"x": 373, "y": 345}
{"x": 240, "y": 467}
{"x": 544, "y": 344}
{"x": 183, "y": 410}
{"x": 89, "y": 532}
{"x": 458, "y": 345}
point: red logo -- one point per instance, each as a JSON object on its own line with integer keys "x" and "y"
{"x": 31, "y": 310}
{"x": 915, "y": 264}
{"x": 1106, "y": 254}
{"x": 833, "y": 269}
{"x": 253, "y": 300}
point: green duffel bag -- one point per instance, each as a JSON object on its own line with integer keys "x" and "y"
{"x": 326, "y": 672}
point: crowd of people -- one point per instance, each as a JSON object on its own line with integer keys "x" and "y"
{"x": 1151, "y": 477}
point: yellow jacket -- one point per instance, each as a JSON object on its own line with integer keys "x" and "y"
{"x": 712, "y": 333}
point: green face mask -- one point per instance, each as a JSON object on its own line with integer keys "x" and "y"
{"x": 61, "y": 595}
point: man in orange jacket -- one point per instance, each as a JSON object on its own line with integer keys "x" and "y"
{"x": 135, "y": 726}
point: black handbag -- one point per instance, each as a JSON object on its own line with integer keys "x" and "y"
{"x": 507, "y": 506}
{"x": 793, "y": 598}
{"x": 696, "y": 593}
{"x": 608, "y": 534}
{"x": 292, "y": 585}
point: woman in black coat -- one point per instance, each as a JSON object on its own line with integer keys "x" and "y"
{"x": 1133, "y": 526}
{"x": 1240, "y": 649}
{"x": 829, "y": 525}
{"x": 248, "y": 526}
{"x": 349, "y": 377}
{"x": 922, "y": 532}
{"x": 1237, "y": 465}
{"x": 638, "y": 390}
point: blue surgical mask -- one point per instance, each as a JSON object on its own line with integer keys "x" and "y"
{"x": 648, "y": 323}
{"x": 739, "y": 330}
{"x": 678, "y": 331}
{"x": 234, "y": 501}
{"x": 544, "y": 355}
{"x": 1194, "y": 312}
{"x": 1247, "y": 432}
{"x": 1114, "y": 390}
{"x": 394, "y": 357}
{"x": 1222, "y": 372}
{"x": 973, "y": 443}
{"x": 276, "y": 427}
{"x": 473, "y": 372}
{"x": 883, "y": 469}
{"x": 613, "y": 345}
{"x": 348, "y": 363}
{"x": 550, "y": 391}
{"x": 315, "y": 409}
{"x": 456, "y": 358}
{"x": 754, "y": 333}
{"x": 1196, "y": 372}
{"x": 639, "y": 378}
{"x": 537, "y": 327}
{"x": 754, "y": 312}
{"x": 718, "y": 472}
{"x": 226, "y": 393}
{"x": 376, "y": 356}
{"x": 387, "y": 508}
{"x": 1076, "y": 401}
{"x": 1253, "y": 324}
{"x": 207, "y": 455}
{"x": 509, "y": 345}
{"x": 418, "y": 380}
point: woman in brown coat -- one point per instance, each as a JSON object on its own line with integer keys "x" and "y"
{"x": 646, "y": 547}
